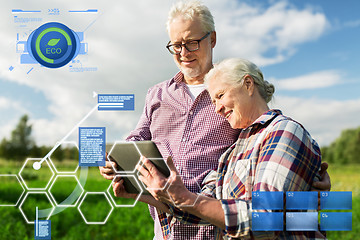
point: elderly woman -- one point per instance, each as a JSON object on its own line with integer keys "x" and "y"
{"x": 273, "y": 153}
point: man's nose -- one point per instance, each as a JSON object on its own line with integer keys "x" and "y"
{"x": 184, "y": 51}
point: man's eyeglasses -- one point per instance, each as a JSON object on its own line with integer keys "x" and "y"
{"x": 191, "y": 46}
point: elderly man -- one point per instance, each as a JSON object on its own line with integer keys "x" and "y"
{"x": 179, "y": 115}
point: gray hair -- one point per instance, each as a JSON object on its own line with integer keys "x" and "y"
{"x": 233, "y": 70}
{"x": 190, "y": 9}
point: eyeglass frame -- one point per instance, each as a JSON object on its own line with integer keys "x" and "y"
{"x": 184, "y": 44}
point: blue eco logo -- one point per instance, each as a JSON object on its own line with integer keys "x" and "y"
{"x": 53, "y": 45}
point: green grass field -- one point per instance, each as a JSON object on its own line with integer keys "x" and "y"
{"x": 347, "y": 178}
{"x": 124, "y": 222}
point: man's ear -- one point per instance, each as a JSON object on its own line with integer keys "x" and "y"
{"x": 249, "y": 84}
{"x": 213, "y": 39}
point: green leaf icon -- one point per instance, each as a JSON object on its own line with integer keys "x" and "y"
{"x": 53, "y": 42}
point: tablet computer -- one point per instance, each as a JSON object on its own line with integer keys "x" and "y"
{"x": 127, "y": 155}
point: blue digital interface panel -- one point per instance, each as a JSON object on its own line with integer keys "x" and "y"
{"x": 336, "y": 221}
{"x": 336, "y": 200}
{"x": 268, "y": 200}
{"x": 267, "y": 221}
{"x": 116, "y": 102}
{"x": 42, "y": 230}
{"x": 301, "y": 221}
{"x": 302, "y": 200}
{"x": 92, "y": 146}
{"x": 51, "y": 51}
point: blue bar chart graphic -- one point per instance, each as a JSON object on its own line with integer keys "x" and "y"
{"x": 268, "y": 200}
{"x": 299, "y": 211}
{"x": 267, "y": 221}
{"x": 301, "y": 200}
{"x": 336, "y": 200}
{"x": 301, "y": 221}
{"x": 336, "y": 221}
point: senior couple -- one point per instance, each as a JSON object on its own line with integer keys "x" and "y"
{"x": 220, "y": 135}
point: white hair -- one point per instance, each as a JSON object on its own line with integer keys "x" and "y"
{"x": 233, "y": 70}
{"x": 190, "y": 9}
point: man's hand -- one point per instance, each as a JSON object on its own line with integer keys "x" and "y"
{"x": 324, "y": 184}
{"x": 108, "y": 171}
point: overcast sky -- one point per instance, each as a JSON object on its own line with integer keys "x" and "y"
{"x": 309, "y": 49}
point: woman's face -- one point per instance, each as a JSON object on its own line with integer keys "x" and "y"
{"x": 232, "y": 102}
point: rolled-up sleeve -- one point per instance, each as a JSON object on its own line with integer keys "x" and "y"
{"x": 209, "y": 185}
{"x": 237, "y": 217}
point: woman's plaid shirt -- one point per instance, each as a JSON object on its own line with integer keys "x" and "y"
{"x": 285, "y": 159}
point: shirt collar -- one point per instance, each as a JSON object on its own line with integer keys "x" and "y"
{"x": 267, "y": 116}
{"x": 179, "y": 77}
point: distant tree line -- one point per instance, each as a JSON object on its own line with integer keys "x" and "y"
{"x": 21, "y": 145}
{"x": 345, "y": 149}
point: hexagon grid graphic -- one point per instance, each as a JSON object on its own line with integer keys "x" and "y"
{"x": 66, "y": 190}
{"x": 11, "y": 190}
{"x": 41, "y": 200}
{"x": 95, "y": 200}
{"x": 65, "y": 158}
{"x": 126, "y": 157}
{"x": 123, "y": 202}
{"x": 36, "y": 179}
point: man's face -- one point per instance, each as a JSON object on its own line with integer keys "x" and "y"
{"x": 194, "y": 65}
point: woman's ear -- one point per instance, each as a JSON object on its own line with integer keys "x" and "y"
{"x": 249, "y": 84}
{"x": 213, "y": 39}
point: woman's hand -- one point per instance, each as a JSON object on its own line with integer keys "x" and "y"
{"x": 119, "y": 189}
{"x": 168, "y": 190}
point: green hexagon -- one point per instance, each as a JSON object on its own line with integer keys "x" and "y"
{"x": 66, "y": 190}
{"x": 36, "y": 179}
{"x": 36, "y": 199}
{"x": 95, "y": 208}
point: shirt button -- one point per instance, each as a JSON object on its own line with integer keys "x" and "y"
{"x": 184, "y": 139}
{"x": 191, "y": 112}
